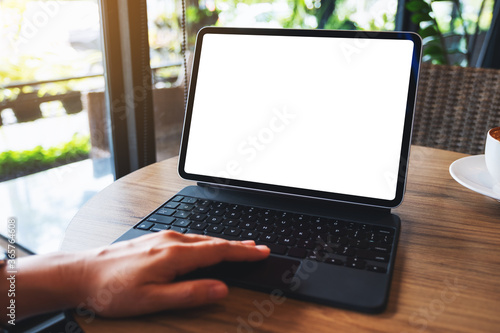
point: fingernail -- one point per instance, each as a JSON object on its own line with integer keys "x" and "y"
{"x": 218, "y": 291}
{"x": 263, "y": 248}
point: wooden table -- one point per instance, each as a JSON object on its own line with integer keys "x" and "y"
{"x": 447, "y": 269}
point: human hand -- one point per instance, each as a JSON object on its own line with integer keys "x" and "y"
{"x": 127, "y": 278}
{"x": 137, "y": 276}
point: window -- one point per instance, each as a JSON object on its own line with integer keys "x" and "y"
{"x": 52, "y": 147}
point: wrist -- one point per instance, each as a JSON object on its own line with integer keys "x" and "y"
{"x": 47, "y": 283}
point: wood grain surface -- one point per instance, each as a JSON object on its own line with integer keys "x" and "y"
{"x": 447, "y": 269}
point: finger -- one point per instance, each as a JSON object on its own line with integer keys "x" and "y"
{"x": 202, "y": 254}
{"x": 193, "y": 238}
{"x": 184, "y": 294}
{"x": 171, "y": 235}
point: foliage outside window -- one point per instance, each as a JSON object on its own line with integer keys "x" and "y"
{"x": 451, "y": 29}
{"x": 15, "y": 164}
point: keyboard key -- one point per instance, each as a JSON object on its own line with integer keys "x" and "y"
{"x": 316, "y": 255}
{"x": 172, "y": 205}
{"x": 233, "y": 214}
{"x": 159, "y": 227}
{"x": 216, "y": 229}
{"x": 231, "y": 222}
{"x": 253, "y": 210}
{"x": 165, "y": 211}
{"x": 357, "y": 243}
{"x": 161, "y": 219}
{"x": 357, "y": 234}
{"x": 286, "y": 241}
{"x": 342, "y": 241}
{"x": 334, "y": 261}
{"x": 345, "y": 251}
{"x": 177, "y": 198}
{"x": 268, "y": 213}
{"x": 329, "y": 247}
{"x": 179, "y": 229}
{"x": 217, "y": 212}
{"x": 387, "y": 239}
{"x": 303, "y": 234}
{"x": 198, "y": 217}
{"x": 249, "y": 218}
{"x": 267, "y": 237}
{"x": 231, "y": 231}
{"x": 204, "y": 203}
{"x": 337, "y": 224}
{"x": 284, "y": 215}
{"x": 220, "y": 205}
{"x": 189, "y": 200}
{"x": 302, "y": 226}
{"x": 302, "y": 218}
{"x": 202, "y": 209}
{"x": 319, "y": 221}
{"x": 384, "y": 231}
{"x": 267, "y": 220}
{"x": 381, "y": 248}
{"x": 199, "y": 226}
{"x": 373, "y": 237}
{"x": 377, "y": 269}
{"x": 182, "y": 214}
{"x": 320, "y": 228}
{"x": 321, "y": 236}
{"x": 284, "y": 231}
{"x": 265, "y": 228}
{"x": 369, "y": 255}
{"x": 306, "y": 244}
{"x": 182, "y": 223}
{"x": 235, "y": 208}
{"x": 249, "y": 234}
{"x": 381, "y": 257}
{"x": 297, "y": 253}
{"x": 214, "y": 219}
{"x": 339, "y": 231}
{"x": 283, "y": 223}
{"x": 247, "y": 225}
{"x": 365, "y": 227}
{"x": 145, "y": 225}
{"x": 185, "y": 207}
{"x": 355, "y": 263}
{"x": 352, "y": 226}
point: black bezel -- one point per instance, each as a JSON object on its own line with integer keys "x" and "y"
{"x": 405, "y": 147}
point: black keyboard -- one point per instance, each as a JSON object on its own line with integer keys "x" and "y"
{"x": 332, "y": 241}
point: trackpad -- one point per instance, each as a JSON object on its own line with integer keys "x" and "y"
{"x": 273, "y": 272}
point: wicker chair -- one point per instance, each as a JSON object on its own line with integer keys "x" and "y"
{"x": 456, "y": 106}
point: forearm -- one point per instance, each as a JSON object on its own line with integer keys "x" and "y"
{"x": 42, "y": 284}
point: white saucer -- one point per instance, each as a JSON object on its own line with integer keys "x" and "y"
{"x": 471, "y": 172}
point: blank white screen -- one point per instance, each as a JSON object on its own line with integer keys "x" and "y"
{"x": 315, "y": 113}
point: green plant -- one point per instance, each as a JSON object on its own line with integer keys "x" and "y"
{"x": 15, "y": 164}
{"x": 446, "y": 44}
{"x": 323, "y": 13}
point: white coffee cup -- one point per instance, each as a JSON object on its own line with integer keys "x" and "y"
{"x": 492, "y": 154}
